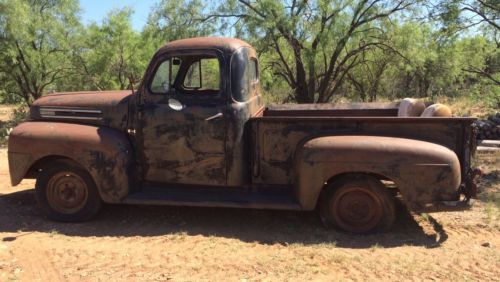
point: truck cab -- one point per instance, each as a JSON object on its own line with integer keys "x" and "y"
{"x": 197, "y": 133}
{"x": 194, "y": 104}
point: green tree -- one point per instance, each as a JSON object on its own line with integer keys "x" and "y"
{"x": 170, "y": 20}
{"x": 315, "y": 43}
{"x": 37, "y": 37}
{"x": 482, "y": 58}
{"x": 422, "y": 65}
{"x": 475, "y": 16}
{"x": 110, "y": 53}
{"x": 457, "y": 15}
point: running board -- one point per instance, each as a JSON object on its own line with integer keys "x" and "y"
{"x": 214, "y": 197}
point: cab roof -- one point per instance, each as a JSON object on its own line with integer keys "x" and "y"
{"x": 224, "y": 44}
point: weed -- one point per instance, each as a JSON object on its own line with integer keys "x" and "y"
{"x": 426, "y": 217}
{"x": 178, "y": 235}
{"x": 332, "y": 244}
{"x": 53, "y": 232}
{"x": 375, "y": 247}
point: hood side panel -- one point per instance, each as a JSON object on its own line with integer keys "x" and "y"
{"x": 103, "y": 108}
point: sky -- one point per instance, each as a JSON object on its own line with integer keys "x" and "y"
{"x": 96, "y": 10}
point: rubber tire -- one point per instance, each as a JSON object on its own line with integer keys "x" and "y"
{"x": 89, "y": 209}
{"x": 364, "y": 182}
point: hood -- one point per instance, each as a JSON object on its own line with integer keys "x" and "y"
{"x": 106, "y": 108}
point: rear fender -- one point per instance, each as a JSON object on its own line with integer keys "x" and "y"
{"x": 105, "y": 153}
{"x": 424, "y": 172}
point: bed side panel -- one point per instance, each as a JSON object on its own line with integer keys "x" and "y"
{"x": 277, "y": 138}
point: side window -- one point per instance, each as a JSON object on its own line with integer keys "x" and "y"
{"x": 165, "y": 76}
{"x": 203, "y": 74}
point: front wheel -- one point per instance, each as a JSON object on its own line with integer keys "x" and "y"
{"x": 66, "y": 192}
{"x": 357, "y": 204}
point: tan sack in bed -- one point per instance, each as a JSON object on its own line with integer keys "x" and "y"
{"x": 437, "y": 110}
{"x": 410, "y": 107}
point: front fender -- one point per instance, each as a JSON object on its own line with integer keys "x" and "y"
{"x": 105, "y": 153}
{"x": 424, "y": 172}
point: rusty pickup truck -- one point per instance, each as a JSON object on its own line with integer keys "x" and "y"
{"x": 196, "y": 133}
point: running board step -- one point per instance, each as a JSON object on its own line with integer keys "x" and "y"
{"x": 213, "y": 197}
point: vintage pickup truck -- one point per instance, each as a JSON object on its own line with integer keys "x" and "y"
{"x": 197, "y": 133}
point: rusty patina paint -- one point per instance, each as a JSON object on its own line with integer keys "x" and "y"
{"x": 227, "y": 45}
{"x": 182, "y": 146}
{"x": 279, "y": 137}
{"x": 105, "y": 153}
{"x": 129, "y": 141}
{"x": 112, "y": 105}
{"x": 424, "y": 172}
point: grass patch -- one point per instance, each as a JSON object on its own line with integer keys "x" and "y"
{"x": 470, "y": 105}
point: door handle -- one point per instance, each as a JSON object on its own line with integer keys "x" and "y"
{"x": 219, "y": 115}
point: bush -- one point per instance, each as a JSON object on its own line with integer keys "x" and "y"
{"x": 18, "y": 115}
{"x": 7, "y": 97}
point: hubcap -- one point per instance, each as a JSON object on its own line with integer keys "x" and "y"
{"x": 67, "y": 192}
{"x": 357, "y": 209}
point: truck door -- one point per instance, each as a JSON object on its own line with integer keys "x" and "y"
{"x": 182, "y": 123}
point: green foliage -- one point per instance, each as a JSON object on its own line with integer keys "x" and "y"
{"x": 459, "y": 15}
{"x": 419, "y": 65}
{"x": 36, "y": 40}
{"x": 8, "y": 91}
{"x": 309, "y": 51}
{"x": 170, "y": 20}
{"x": 110, "y": 54}
{"x": 363, "y": 50}
{"x": 313, "y": 45}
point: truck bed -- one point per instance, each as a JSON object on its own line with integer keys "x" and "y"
{"x": 282, "y": 128}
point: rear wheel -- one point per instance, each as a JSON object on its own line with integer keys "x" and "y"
{"x": 357, "y": 204}
{"x": 66, "y": 192}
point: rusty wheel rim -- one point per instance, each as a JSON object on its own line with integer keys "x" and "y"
{"x": 67, "y": 192}
{"x": 357, "y": 209}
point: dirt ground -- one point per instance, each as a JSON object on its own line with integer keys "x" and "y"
{"x": 198, "y": 244}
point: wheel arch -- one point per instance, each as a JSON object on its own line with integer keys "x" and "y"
{"x": 43, "y": 162}
{"x": 378, "y": 176}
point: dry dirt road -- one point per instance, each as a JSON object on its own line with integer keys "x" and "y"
{"x": 200, "y": 244}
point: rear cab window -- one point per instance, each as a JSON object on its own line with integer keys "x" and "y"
{"x": 244, "y": 75}
{"x": 203, "y": 74}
